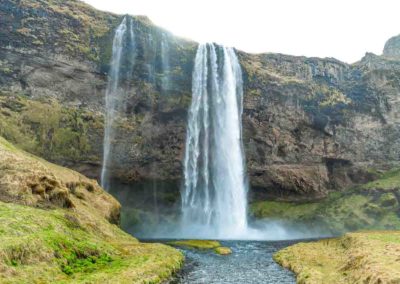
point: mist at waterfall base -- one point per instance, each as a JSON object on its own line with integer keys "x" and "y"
{"x": 151, "y": 209}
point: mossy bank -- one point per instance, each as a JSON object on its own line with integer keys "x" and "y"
{"x": 57, "y": 226}
{"x": 362, "y": 257}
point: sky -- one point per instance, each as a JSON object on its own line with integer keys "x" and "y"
{"x": 343, "y": 29}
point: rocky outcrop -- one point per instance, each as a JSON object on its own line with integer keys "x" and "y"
{"x": 392, "y": 47}
{"x": 328, "y": 119}
{"x": 310, "y": 125}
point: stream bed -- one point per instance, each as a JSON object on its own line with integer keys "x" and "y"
{"x": 250, "y": 262}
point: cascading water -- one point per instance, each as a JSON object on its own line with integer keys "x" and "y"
{"x": 121, "y": 67}
{"x": 214, "y": 197}
{"x": 165, "y": 62}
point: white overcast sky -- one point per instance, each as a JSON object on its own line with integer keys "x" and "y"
{"x": 344, "y": 29}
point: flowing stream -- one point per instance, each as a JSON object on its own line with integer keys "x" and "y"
{"x": 214, "y": 202}
{"x": 250, "y": 263}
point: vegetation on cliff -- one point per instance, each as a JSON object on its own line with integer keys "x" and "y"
{"x": 374, "y": 205}
{"x": 362, "y": 257}
{"x": 70, "y": 27}
{"x": 56, "y": 227}
{"x": 47, "y": 129}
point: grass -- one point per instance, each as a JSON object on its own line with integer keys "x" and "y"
{"x": 203, "y": 245}
{"x": 197, "y": 244}
{"x": 223, "y": 250}
{"x": 388, "y": 180}
{"x": 362, "y": 257}
{"x": 50, "y": 243}
{"x": 370, "y": 206}
{"x": 42, "y": 245}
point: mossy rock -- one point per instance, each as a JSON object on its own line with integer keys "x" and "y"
{"x": 197, "y": 244}
{"x": 205, "y": 245}
{"x": 223, "y": 250}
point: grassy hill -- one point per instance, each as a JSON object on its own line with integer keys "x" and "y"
{"x": 57, "y": 226}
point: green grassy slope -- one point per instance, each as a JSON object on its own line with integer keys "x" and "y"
{"x": 65, "y": 234}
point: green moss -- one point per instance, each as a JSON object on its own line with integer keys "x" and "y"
{"x": 75, "y": 27}
{"x": 47, "y": 129}
{"x": 34, "y": 239}
{"x": 7, "y": 145}
{"x": 284, "y": 210}
{"x": 387, "y": 181}
{"x": 205, "y": 245}
{"x": 334, "y": 97}
{"x": 388, "y": 200}
{"x": 76, "y": 245}
{"x": 371, "y": 206}
{"x": 223, "y": 250}
{"x": 197, "y": 244}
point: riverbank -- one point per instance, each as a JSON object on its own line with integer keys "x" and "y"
{"x": 57, "y": 226}
{"x": 362, "y": 257}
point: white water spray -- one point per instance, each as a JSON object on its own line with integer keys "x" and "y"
{"x": 214, "y": 197}
{"x": 165, "y": 62}
{"x": 123, "y": 45}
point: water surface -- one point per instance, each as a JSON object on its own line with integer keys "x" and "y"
{"x": 250, "y": 262}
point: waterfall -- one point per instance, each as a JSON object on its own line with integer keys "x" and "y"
{"x": 151, "y": 51}
{"x": 165, "y": 62}
{"x": 121, "y": 66}
{"x": 214, "y": 196}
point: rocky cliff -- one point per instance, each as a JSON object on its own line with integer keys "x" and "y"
{"x": 310, "y": 125}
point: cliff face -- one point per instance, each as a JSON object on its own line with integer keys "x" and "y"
{"x": 313, "y": 124}
{"x": 310, "y": 124}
